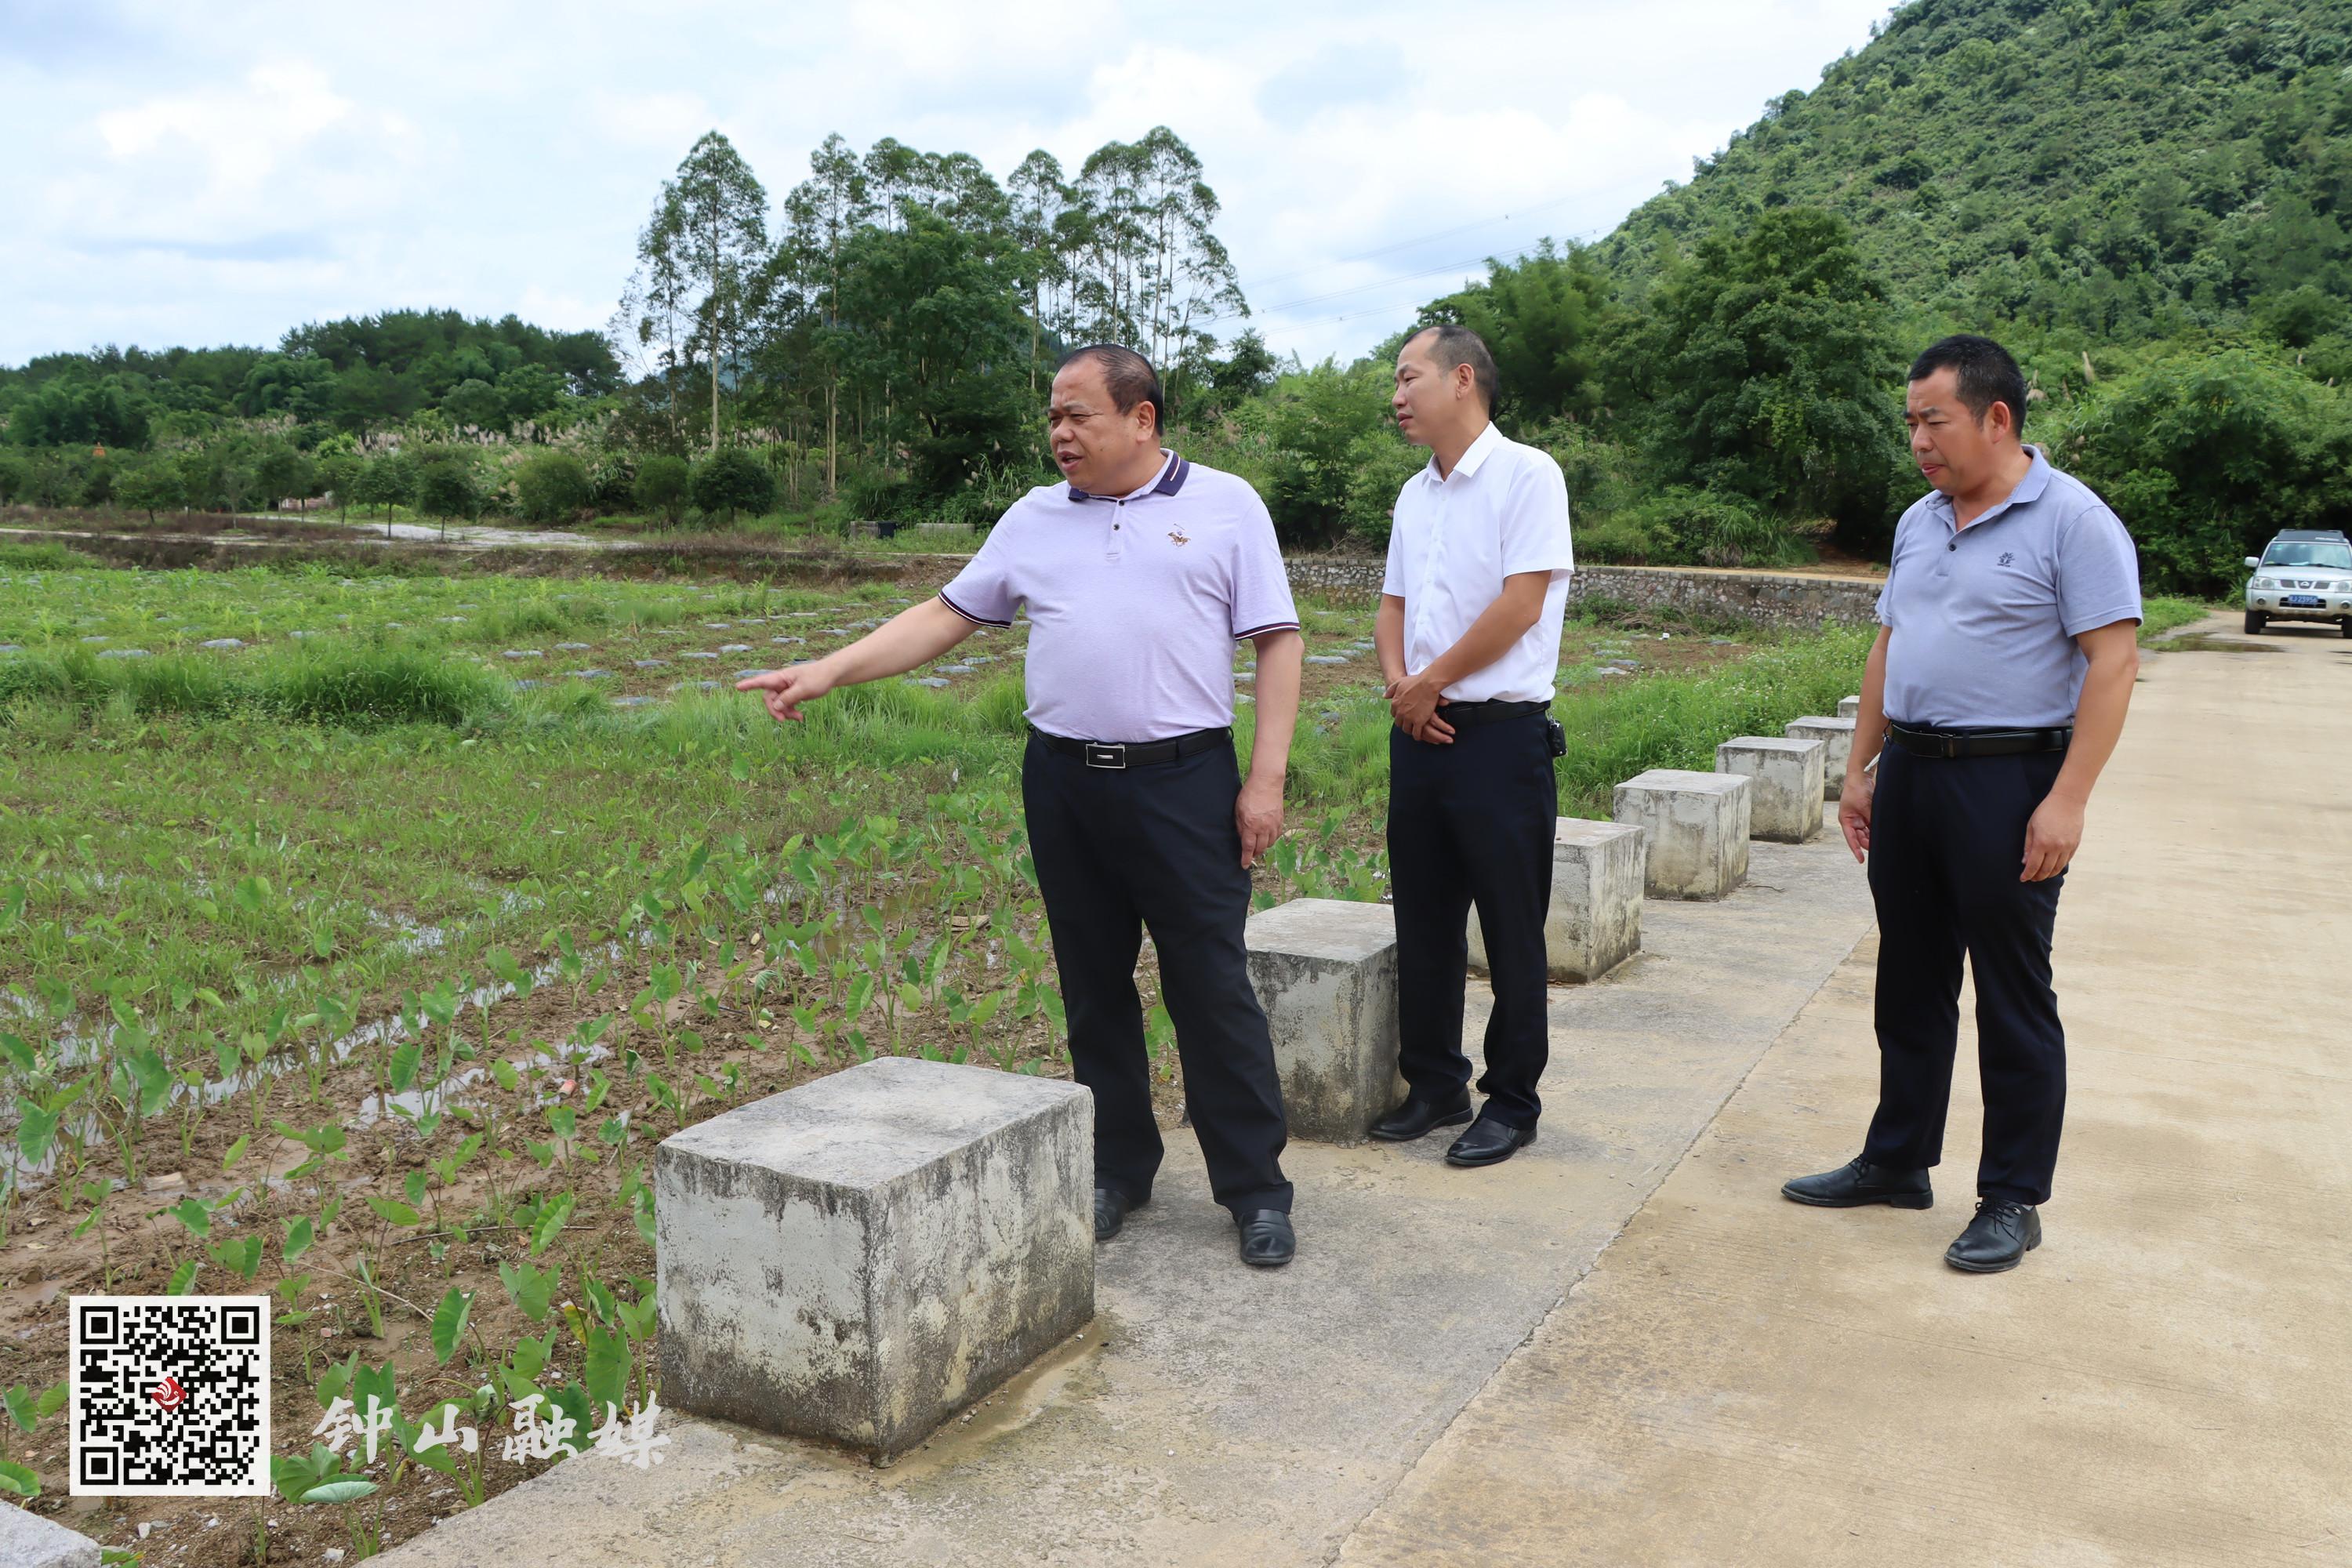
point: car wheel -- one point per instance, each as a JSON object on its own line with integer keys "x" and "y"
{"x": 2256, "y": 621}
{"x": 2344, "y": 627}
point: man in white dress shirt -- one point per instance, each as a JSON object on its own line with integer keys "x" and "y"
{"x": 1469, "y": 636}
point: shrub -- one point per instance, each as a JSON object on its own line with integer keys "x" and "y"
{"x": 661, "y": 487}
{"x": 732, "y": 480}
{"x": 1713, "y": 528}
{"x": 552, "y": 486}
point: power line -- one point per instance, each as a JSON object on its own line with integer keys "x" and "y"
{"x": 1522, "y": 252}
{"x": 1417, "y": 239}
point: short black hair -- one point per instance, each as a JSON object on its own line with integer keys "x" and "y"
{"x": 1453, "y": 345}
{"x": 1129, "y": 376}
{"x": 1988, "y": 374}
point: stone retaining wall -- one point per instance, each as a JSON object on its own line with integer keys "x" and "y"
{"x": 1771, "y": 598}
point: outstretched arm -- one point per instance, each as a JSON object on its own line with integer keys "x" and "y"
{"x": 913, "y": 636}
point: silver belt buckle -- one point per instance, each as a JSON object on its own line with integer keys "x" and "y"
{"x": 1102, "y": 755}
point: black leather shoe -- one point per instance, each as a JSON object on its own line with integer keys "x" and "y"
{"x": 1111, "y": 1208}
{"x": 1858, "y": 1181}
{"x": 1267, "y": 1241}
{"x": 1417, "y": 1117}
{"x": 1489, "y": 1142}
{"x": 1998, "y": 1239}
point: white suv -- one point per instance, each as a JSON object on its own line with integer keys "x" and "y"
{"x": 2304, "y": 575}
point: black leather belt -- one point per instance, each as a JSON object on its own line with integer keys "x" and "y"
{"x": 1116, "y": 755}
{"x": 1460, "y": 713}
{"x": 1929, "y": 742}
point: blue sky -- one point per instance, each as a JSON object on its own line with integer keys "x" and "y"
{"x": 205, "y": 172}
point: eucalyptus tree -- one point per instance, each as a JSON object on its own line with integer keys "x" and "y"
{"x": 1042, "y": 205}
{"x": 821, "y": 214}
{"x": 721, "y": 228}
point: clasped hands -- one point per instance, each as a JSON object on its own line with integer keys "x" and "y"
{"x": 1413, "y": 703}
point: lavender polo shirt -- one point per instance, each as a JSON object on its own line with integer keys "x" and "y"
{"x": 1134, "y": 602}
{"x": 1984, "y": 618}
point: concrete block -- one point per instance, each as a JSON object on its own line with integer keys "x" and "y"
{"x": 29, "y": 1540}
{"x": 1698, "y": 827}
{"x": 1787, "y": 802}
{"x": 1325, "y": 970}
{"x": 1836, "y": 736}
{"x": 860, "y": 1258}
{"x": 1848, "y": 707}
{"x": 1594, "y": 923}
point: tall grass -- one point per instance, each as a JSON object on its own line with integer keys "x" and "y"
{"x": 355, "y": 685}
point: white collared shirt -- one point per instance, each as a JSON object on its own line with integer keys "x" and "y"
{"x": 1503, "y": 510}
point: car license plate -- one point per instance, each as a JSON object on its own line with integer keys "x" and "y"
{"x": 2303, "y": 601}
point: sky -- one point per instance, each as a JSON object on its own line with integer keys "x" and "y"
{"x": 192, "y": 172}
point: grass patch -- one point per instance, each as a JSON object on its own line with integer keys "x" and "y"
{"x": 2162, "y": 616}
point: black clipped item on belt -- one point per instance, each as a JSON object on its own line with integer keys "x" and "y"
{"x": 1460, "y": 713}
{"x": 1922, "y": 743}
{"x": 1116, "y": 755}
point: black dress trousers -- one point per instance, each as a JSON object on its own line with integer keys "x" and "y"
{"x": 1156, "y": 845}
{"x": 1946, "y": 843}
{"x": 1472, "y": 823}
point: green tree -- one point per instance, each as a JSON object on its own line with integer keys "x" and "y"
{"x": 281, "y": 472}
{"x": 388, "y": 480}
{"x": 475, "y": 404}
{"x": 2205, "y": 454}
{"x": 1303, "y": 435}
{"x": 928, "y": 306}
{"x": 552, "y": 486}
{"x": 730, "y": 480}
{"x": 1542, "y": 316}
{"x": 337, "y": 465}
{"x": 661, "y": 487}
{"x": 719, "y": 225}
{"x": 1767, "y": 371}
{"x": 447, "y": 486}
{"x": 531, "y": 392}
{"x": 151, "y": 488}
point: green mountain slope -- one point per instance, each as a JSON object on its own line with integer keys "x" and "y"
{"x": 2101, "y": 169}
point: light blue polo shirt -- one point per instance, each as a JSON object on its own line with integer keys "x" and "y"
{"x": 1984, "y": 617}
{"x": 1134, "y": 602}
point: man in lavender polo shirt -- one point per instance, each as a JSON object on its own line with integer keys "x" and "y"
{"x": 1138, "y": 575}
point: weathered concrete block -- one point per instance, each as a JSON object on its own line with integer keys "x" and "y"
{"x": 1848, "y": 707}
{"x": 1787, "y": 802}
{"x": 1836, "y": 736}
{"x": 1698, "y": 827}
{"x": 28, "y": 1540}
{"x": 857, "y": 1258}
{"x": 1325, "y": 973}
{"x": 1594, "y": 923}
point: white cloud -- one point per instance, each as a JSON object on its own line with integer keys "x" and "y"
{"x": 196, "y": 176}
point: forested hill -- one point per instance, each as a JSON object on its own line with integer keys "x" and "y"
{"x": 2111, "y": 169}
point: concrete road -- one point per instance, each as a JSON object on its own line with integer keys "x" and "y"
{"x": 1217, "y": 1415}
{"x": 1447, "y": 1375}
{"x": 2167, "y": 1381}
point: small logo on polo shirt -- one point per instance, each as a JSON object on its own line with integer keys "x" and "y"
{"x": 1178, "y": 535}
{"x": 2007, "y": 559}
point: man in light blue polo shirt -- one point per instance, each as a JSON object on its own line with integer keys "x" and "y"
{"x": 1138, "y": 575}
{"x": 1993, "y": 698}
